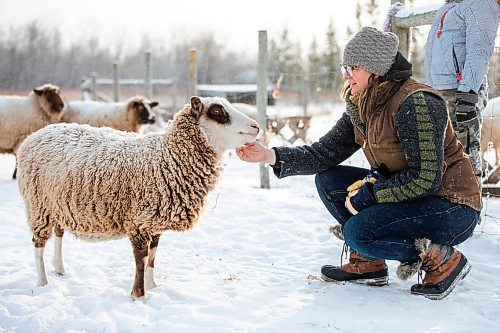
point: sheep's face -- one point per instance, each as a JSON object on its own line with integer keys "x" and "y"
{"x": 144, "y": 110}
{"x": 49, "y": 99}
{"x": 225, "y": 126}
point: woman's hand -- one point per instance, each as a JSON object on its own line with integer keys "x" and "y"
{"x": 255, "y": 152}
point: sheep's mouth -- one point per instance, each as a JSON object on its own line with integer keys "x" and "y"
{"x": 247, "y": 133}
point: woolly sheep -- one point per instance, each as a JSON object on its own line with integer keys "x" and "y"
{"x": 490, "y": 133}
{"x": 130, "y": 116}
{"x": 23, "y": 115}
{"x": 101, "y": 184}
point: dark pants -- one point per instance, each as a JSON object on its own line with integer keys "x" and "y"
{"x": 389, "y": 230}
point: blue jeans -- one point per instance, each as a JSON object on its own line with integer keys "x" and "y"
{"x": 388, "y": 230}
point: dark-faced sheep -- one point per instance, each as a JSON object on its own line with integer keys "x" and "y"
{"x": 101, "y": 184}
{"x": 22, "y": 115}
{"x": 130, "y": 116}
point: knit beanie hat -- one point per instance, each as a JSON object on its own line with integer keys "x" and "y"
{"x": 372, "y": 49}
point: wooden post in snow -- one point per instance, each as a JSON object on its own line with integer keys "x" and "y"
{"x": 262, "y": 101}
{"x": 116, "y": 81}
{"x": 407, "y": 18}
{"x": 93, "y": 86}
{"x": 148, "y": 88}
{"x": 402, "y": 33}
{"x": 193, "y": 80}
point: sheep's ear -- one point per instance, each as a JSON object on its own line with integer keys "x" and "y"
{"x": 196, "y": 104}
{"x": 38, "y": 91}
{"x": 153, "y": 104}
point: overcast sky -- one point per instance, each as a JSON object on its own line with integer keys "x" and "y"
{"x": 235, "y": 22}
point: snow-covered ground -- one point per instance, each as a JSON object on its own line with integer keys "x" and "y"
{"x": 244, "y": 268}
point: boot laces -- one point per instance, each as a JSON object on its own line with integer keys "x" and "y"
{"x": 345, "y": 252}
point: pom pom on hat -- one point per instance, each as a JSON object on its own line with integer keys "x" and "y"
{"x": 372, "y": 49}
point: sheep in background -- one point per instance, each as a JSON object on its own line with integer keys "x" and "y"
{"x": 131, "y": 116}
{"x": 160, "y": 125}
{"x": 490, "y": 133}
{"x": 23, "y": 115}
{"x": 101, "y": 184}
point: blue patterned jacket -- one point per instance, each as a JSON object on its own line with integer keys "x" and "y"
{"x": 460, "y": 44}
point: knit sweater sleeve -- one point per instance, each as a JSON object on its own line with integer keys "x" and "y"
{"x": 420, "y": 125}
{"x": 330, "y": 150}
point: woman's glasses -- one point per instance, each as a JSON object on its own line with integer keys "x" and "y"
{"x": 347, "y": 69}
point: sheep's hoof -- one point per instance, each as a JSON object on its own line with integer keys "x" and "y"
{"x": 138, "y": 293}
{"x": 137, "y": 297}
{"x": 42, "y": 282}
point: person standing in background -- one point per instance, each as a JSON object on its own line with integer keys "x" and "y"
{"x": 459, "y": 46}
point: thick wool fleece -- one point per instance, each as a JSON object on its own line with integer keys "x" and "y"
{"x": 121, "y": 116}
{"x": 23, "y": 115}
{"x": 99, "y": 183}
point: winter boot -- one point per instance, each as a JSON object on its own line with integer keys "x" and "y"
{"x": 360, "y": 269}
{"x": 444, "y": 267}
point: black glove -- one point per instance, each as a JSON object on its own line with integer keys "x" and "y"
{"x": 465, "y": 110}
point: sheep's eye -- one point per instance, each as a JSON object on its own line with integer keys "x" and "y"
{"x": 216, "y": 112}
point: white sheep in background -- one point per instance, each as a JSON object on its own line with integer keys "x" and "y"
{"x": 130, "y": 116}
{"x": 23, "y": 115}
{"x": 101, "y": 184}
{"x": 160, "y": 125}
{"x": 490, "y": 133}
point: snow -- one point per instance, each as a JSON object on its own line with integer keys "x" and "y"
{"x": 244, "y": 268}
{"x": 410, "y": 11}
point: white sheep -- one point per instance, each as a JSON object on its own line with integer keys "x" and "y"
{"x": 101, "y": 184}
{"x": 130, "y": 116}
{"x": 23, "y": 115}
{"x": 490, "y": 133}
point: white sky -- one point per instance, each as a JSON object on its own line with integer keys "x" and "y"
{"x": 235, "y": 22}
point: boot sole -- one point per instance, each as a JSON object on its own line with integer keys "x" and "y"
{"x": 463, "y": 273}
{"x": 376, "y": 282}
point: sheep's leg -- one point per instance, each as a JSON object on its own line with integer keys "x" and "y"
{"x": 40, "y": 267}
{"x": 58, "y": 260}
{"x": 40, "y": 237}
{"x": 149, "y": 275}
{"x": 140, "y": 247}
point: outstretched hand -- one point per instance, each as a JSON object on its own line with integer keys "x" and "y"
{"x": 255, "y": 152}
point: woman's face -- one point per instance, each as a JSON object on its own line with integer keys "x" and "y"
{"x": 358, "y": 80}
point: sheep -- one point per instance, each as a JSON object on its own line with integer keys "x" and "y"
{"x": 101, "y": 184}
{"x": 490, "y": 133}
{"x": 23, "y": 115}
{"x": 131, "y": 116}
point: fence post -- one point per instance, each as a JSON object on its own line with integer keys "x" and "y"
{"x": 148, "y": 91}
{"x": 116, "y": 81}
{"x": 402, "y": 33}
{"x": 193, "y": 79}
{"x": 93, "y": 86}
{"x": 262, "y": 101}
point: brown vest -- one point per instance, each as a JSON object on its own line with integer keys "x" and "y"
{"x": 381, "y": 145}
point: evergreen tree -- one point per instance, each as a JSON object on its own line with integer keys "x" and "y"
{"x": 331, "y": 59}
{"x": 357, "y": 21}
{"x": 313, "y": 70}
{"x": 372, "y": 13}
